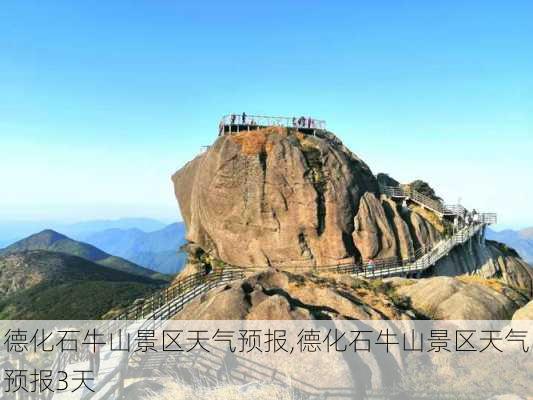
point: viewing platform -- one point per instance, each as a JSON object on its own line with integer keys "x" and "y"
{"x": 235, "y": 123}
{"x": 406, "y": 192}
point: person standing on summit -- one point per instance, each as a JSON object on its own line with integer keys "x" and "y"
{"x": 475, "y": 216}
{"x": 244, "y": 118}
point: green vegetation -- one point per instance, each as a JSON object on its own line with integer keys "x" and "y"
{"x": 386, "y": 180}
{"x": 72, "y": 300}
{"x": 53, "y": 241}
{"x": 379, "y": 286}
{"x": 201, "y": 260}
{"x": 47, "y": 285}
{"x": 423, "y": 187}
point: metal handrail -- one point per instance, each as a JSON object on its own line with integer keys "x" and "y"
{"x": 426, "y": 200}
{"x": 455, "y": 209}
{"x": 488, "y": 218}
{"x": 192, "y": 287}
{"x": 265, "y": 120}
{"x": 392, "y": 191}
{"x": 406, "y": 191}
{"x": 148, "y": 306}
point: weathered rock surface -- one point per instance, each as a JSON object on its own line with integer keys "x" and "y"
{"x": 276, "y": 197}
{"x": 281, "y": 198}
{"x": 514, "y": 271}
{"x": 280, "y": 295}
{"x": 490, "y": 260}
{"x": 464, "y": 298}
{"x": 525, "y": 313}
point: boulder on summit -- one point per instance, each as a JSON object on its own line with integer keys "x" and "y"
{"x": 275, "y": 196}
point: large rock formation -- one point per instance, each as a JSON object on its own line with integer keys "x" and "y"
{"x": 277, "y": 197}
{"x": 275, "y": 295}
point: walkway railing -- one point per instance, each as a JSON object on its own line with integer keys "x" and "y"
{"x": 456, "y": 209}
{"x": 162, "y": 306}
{"x": 418, "y": 262}
{"x": 152, "y": 313}
{"x": 488, "y": 218}
{"x": 171, "y": 299}
{"x": 407, "y": 192}
{"x": 240, "y": 122}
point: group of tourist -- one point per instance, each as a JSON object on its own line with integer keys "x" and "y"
{"x": 243, "y": 119}
{"x": 468, "y": 218}
{"x": 303, "y": 122}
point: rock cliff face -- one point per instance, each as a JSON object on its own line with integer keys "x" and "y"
{"x": 277, "y": 197}
{"x": 487, "y": 260}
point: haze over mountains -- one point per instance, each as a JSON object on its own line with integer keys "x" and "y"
{"x": 49, "y": 275}
{"x": 158, "y": 250}
{"x": 143, "y": 241}
{"x": 52, "y": 241}
{"x": 11, "y": 231}
{"x": 521, "y": 241}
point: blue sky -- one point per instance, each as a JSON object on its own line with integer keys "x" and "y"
{"x": 100, "y": 102}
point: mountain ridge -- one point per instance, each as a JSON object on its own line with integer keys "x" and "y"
{"x": 41, "y": 284}
{"x": 519, "y": 240}
{"x": 14, "y": 230}
{"x": 158, "y": 250}
{"x": 53, "y": 241}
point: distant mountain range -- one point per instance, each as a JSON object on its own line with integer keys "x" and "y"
{"x": 143, "y": 241}
{"x": 52, "y": 241}
{"x": 11, "y": 231}
{"x": 51, "y": 276}
{"x": 41, "y": 284}
{"x": 521, "y": 241}
{"x": 82, "y": 230}
{"x": 158, "y": 250}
